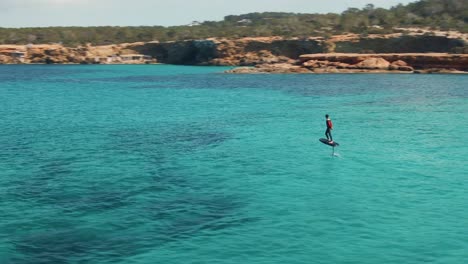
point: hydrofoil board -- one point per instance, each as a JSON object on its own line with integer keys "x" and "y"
{"x": 326, "y": 142}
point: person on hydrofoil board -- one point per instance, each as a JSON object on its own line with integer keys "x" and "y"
{"x": 329, "y": 129}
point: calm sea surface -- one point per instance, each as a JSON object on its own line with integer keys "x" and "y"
{"x": 172, "y": 164}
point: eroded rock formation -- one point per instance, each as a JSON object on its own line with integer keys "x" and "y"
{"x": 267, "y": 54}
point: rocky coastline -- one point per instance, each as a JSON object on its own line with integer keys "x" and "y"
{"x": 351, "y": 53}
{"x": 366, "y": 63}
{"x": 59, "y": 54}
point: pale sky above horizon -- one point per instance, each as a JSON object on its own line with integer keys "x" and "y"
{"x": 43, "y": 13}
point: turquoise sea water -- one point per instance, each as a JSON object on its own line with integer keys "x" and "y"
{"x": 171, "y": 164}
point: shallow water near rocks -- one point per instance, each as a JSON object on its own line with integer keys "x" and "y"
{"x": 173, "y": 164}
